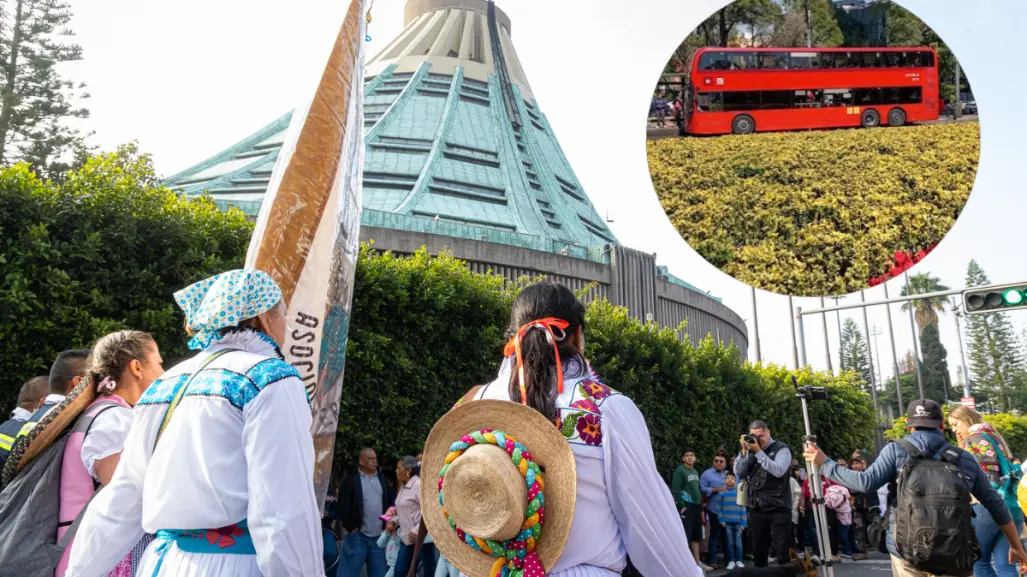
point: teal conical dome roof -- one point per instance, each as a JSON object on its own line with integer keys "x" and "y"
{"x": 456, "y": 143}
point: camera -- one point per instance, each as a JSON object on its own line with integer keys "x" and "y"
{"x": 749, "y": 439}
{"x": 809, "y": 392}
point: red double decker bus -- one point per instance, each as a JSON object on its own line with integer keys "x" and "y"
{"x": 744, "y": 90}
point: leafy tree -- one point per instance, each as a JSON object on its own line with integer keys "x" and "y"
{"x": 934, "y": 365}
{"x": 793, "y": 29}
{"x": 854, "y": 353}
{"x": 36, "y": 101}
{"x": 925, "y": 311}
{"x": 105, "y": 250}
{"x": 994, "y": 354}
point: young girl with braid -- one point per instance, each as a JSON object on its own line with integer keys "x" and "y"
{"x": 121, "y": 367}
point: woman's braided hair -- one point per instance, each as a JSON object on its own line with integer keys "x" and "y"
{"x": 112, "y": 354}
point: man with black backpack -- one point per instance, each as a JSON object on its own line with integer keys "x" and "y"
{"x": 930, "y": 484}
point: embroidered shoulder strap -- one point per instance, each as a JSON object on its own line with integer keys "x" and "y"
{"x": 180, "y": 392}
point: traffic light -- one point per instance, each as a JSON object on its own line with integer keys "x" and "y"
{"x": 995, "y": 298}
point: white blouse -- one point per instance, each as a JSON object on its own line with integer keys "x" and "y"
{"x": 106, "y": 437}
{"x": 238, "y": 447}
{"x": 624, "y": 508}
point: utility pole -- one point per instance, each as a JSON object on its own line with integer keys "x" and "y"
{"x": 875, "y": 332}
{"x": 809, "y": 27}
{"x": 795, "y": 341}
{"x": 894, "y": 356}
{"x": 756, "y": 325}
{"x": 866, "y": 330}
{"x": 827, "y": 343}
{"x": 957, "y": 312}
{"x": 838, "y": 317}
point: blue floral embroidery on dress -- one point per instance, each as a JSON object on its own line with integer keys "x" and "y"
{"x": 235, "y": 388}
{"x": 271, "y": 371}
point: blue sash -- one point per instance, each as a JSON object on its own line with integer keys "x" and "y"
{"x": 231, "y": 540}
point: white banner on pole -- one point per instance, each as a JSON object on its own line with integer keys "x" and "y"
{"x": 307, "y": 234}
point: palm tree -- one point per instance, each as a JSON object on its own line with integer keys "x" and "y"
{"x": 925, "y": 311}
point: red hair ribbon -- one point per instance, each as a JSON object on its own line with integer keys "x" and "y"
{"x": 514, "y": 348}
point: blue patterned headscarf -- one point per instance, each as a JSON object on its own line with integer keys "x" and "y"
{"x": 224, "y": 301}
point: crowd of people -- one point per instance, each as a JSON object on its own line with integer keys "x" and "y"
{"x": 93, "y": 461}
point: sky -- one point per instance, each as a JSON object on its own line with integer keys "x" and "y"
{"x": 188, "y": 79}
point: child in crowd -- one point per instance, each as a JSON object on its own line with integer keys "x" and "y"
{"x": 390, "y": 542}
{"x": 733, "y": 520}
{"x": 837, "y": 499}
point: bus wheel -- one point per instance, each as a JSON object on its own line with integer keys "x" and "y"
{"x": 896, "y": 117}
{"x": 870, "y": 118}
{"x": 743, "y": 124}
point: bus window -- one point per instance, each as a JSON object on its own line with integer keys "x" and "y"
{"x": 841, "y": 59}
{"x": 709, "y": 102}
{"x": 803, "y": 60}
{"x": 868, "y": 59}
{"x": 742, "y": 100}
{"x": 808, "y": 98}
{"x": 927, "y": 59}
{"x": 837, "y": 97}
{"x": 892, "y": 96}
{"x": 741, "y": 60}
{"x": 775, "y": 99}
{"x": 910, "y": 95}
{"x": 713, "y": 61}
{"x": 867, "y": 96}
{"x": 773, "y": 60}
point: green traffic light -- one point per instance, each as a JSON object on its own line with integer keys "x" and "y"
{"x": 1012, "y": 297}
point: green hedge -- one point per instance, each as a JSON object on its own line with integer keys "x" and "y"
{"x": 103, "y": 251}
{"x": 425, "y": 329}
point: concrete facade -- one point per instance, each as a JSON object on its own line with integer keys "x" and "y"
{"x": 630, "y": 278}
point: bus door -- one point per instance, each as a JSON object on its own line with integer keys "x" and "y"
{"x": 930, "y": 87}
{"x": 687, "y": 104}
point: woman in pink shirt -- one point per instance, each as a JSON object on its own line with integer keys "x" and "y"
{"x": 408, "y": 518}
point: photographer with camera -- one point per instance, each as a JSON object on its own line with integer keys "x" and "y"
{"x": 764, "y": 463}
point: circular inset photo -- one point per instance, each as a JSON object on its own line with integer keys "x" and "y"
{"x": 813, "y": 147}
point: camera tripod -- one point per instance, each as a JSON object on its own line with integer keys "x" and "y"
{"x": 826, "y": 566}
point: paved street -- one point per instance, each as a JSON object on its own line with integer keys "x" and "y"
{"x": 876, "y": 566}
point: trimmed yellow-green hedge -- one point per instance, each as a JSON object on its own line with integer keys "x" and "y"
{"x": 815, "y": 213}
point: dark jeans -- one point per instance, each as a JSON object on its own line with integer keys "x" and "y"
{"x": 359, "y": 549}
{"x": 810, "y": 526}
{"x": 832, "y": 529}
{"x": 845, "y": 539}
{"x": 426, "y": 557}
{"x": 716, "y": 538}
{"x": 770, "y": 526}
{"x": 800, "y": 533}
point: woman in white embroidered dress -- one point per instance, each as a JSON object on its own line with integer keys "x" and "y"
{"x": 123, "y": 365}
{"x": 624, "y": 509}
{"x": 228, "y": 489}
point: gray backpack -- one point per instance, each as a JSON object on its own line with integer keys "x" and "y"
{"x": 29, "y": 507}
{"x": 933, "y": 529}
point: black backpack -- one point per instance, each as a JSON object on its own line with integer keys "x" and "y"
{"x": 29, "y": 507}
{"x": 933, "y": 512}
